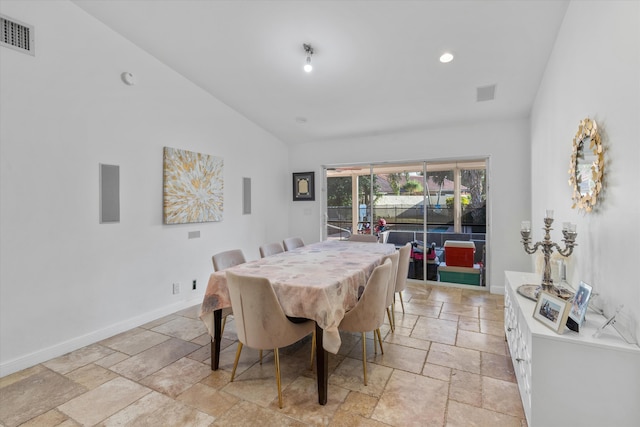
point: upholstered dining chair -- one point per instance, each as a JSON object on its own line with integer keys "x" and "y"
{"x": 292, "y": 242}
{"x": 368, "y": 313}
{"x": 222, "y": 261}
{"x": 260, "y": 321}
{"x": 391, "y": 290}
{"x": 372, "y": 238}
{"x": 404, "y": 258}
{"x": 270, "y": 249}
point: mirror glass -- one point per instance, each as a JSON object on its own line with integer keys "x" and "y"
{"x": 586, "y": 165}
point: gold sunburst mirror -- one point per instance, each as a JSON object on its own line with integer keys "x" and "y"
{"x": 587, "y": 166}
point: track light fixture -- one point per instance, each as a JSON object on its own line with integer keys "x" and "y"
{"x": 309, "y": 50}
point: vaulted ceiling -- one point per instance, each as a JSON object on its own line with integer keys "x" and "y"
{"x": 376, "y": 63}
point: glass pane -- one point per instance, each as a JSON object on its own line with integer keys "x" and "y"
{"x": 339, "y": 214}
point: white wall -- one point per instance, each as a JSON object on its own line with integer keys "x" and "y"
{"x": 506, "y": 143}
{"x": 65, "y": 279}
{"x": 594, "y": 72}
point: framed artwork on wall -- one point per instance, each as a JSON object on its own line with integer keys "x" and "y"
{"x": 193, "y": 187}
{"x": 303, "y": 186}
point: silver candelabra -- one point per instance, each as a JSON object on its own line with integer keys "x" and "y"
{"x": 569, "y": 234}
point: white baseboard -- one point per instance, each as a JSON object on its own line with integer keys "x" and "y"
{"x": 65, "y": 347}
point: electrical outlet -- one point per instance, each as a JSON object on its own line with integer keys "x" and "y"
{"x": 176, "y": 288}
{"x": 194, "y": 284}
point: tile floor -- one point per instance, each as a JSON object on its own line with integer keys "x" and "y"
{"x": 445, "y": 365}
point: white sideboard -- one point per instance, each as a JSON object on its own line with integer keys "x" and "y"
{"x": 571, "y": 379}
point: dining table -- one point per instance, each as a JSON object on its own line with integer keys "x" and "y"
{"x": 320, "y": 281}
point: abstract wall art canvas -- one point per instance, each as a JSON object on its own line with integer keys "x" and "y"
{"x": 193, "y": 187}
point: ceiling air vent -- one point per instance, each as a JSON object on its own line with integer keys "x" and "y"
{"x": 16, "y": 35}
{"x": 486, "y": 93}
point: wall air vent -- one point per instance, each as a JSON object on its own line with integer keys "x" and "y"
{"x": 486, "y": 93}
{"x": 16, "y": 35}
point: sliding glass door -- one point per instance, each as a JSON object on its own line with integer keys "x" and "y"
{"x": 425, "y": 203}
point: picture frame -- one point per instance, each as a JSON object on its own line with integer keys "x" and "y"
{"x": 580, "y": 303}
{"x": 552, "y": 311}
{"x": 303, "y": 186}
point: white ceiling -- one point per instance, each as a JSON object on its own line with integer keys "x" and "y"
{"x": 376, "y": 67}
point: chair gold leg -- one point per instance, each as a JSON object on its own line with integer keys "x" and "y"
{"x": 261, "y": 357}
{"x": 401, "y": 302}
{"x": 375, "y": 338}
{"x": 390, "y": 320}
{"x": 393, "y": 314}
{"x": 277, "y": 359}
{"x": 364, "y": 357}
{"x": 224, "y": 322}
{"x": 377, "y": 331}
{"x": 235, "y": 364}
{"x": 313, "y": 348}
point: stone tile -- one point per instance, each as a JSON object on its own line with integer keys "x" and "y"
{"x": 435, "y": 371}
{"x": 349, "y": 375}
{"x": 469, "y": 324}
{"x": 20, "y": 375}
{"x": 203, "y": 354}
{"x": 479, "y": 298}
{"x": 460, "y": 309}
{"x": 496, "y": 314}
{"x": 502, "y": 396}
{"x": 100, "y": 403}
{"x": 449, "y": 316}
{"x": 208, "y": 400}
{"x": 112, "y": 359}
{"x": 300, "y": 401}
{"x": 359, "y": 404}
{"x": 462, "y": 415}
{"x": 177, "y": 377}
{"x": 74, "y": 360}
{"x": 492, "y": 327}
{"x": 466, "y": 388}
{"x": 405, "y": 320}
{"x": 398, "y": 407}
{"x": 217, "y": 379}
{"x": 159, "y": 321}
{"x": 446, "y": 294}
{"x": 155, "y": 409}
{"x": 348, "y": 419}
{"x": 481, "y": 342}
{"x": 34, "y": 394}
{"x": 397, "y": 357}
{"x": 154, "y": 359}
{"x": 249, "y": 414}
{"x": 406, "y": 341}
{"x": 134, "y": 341}
{"x": 183, "y": 328}
{"x": 436, "y": 330}
{"x": 204, "y": 339}
{"x": 497, "y": 366}
{"x": 426, "y": 308}
{"x": 49, "y": 418}
{"x": 192, "y": 312}
{"x": 91, "y": 376}
{"x": 454, "y": 357}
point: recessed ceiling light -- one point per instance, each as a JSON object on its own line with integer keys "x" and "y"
{"x": 446, "y": 57}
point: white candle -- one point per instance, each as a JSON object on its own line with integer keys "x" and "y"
{"x": 549, "y": 213}
{"x": 525, "y": 226}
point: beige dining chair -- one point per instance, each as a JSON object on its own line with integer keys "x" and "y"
{"x": 404, "y": 258}
{"x": 372, "y": 238}
{"x": 270, "y": 249}
{"x": 222, "y": 261}
{"x": 260, "y": 321}
{"x": 292, "y": 242}
{"x": 368, "y": 313}
{"x": 391, "y": 290}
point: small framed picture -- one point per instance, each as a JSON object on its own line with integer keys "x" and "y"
{"x": 579, "y": 303}
{"x": 552, "y": 311}
{"x": 303, "y": 186}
